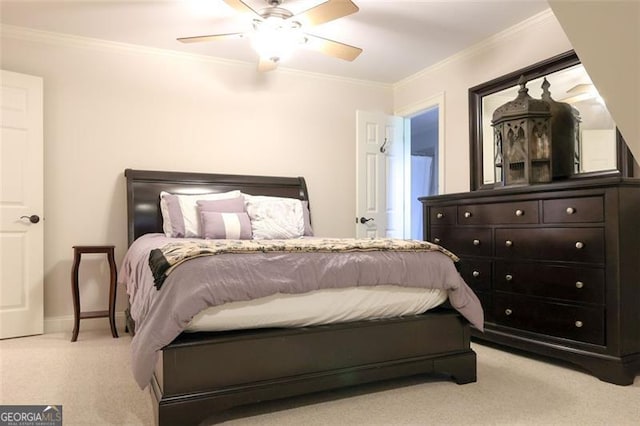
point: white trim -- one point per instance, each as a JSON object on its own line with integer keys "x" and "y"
{"x": 64, "y": 323}
{"x": 442, "y": 150}
{"x": 69, "y": 40}
{"x": 437, "y": 100}
{"x": 406, "y": 133}
{"x": 485, "y": 45}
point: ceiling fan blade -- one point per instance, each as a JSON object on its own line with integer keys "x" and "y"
{"x": 267, "y": 65}
{"x": 332, "y": 47}
{"x": 327, "y": 11}
{"x": 198, "y": 39}
{"x": 240, "y": 6}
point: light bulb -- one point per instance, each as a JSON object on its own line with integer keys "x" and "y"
{"x": 274, "y": 40}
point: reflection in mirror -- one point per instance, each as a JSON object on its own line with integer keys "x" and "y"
{"x": 600, "y": 149}
{"x": 596, "y": 147}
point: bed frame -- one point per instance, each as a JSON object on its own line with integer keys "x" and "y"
{"x": 199, "y": 375}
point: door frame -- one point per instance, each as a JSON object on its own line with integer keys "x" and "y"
{"x": 438, "y": 101}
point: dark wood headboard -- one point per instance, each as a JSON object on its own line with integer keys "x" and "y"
{"x": 144, "y": 187}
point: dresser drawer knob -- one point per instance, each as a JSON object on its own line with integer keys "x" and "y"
{"x": 508, "y": 311}
{"x": 579, "y": 245}
{"x": 439, "y": 215}
{"x": 508, "y": 243}
{"x": 467, "y": 214}
{"x": 476, "y": 274}
{"x": 579, "y": 324}
{"x": 579, "y": 284}
{"x": 508, "y": 277}
{"x": 571, "y": 210}
{"x": 476, "y": 242}
{"x": 436, "y": 240}
{"x": 519, "y": 212}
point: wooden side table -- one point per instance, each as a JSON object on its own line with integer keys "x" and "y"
{"x": 78, "y": 251}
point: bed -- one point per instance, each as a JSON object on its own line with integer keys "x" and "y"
{"x": 198, "y": 375}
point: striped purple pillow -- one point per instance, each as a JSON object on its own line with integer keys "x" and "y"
{"x": 228, "y": 226}
{"x": 229, "y": 205}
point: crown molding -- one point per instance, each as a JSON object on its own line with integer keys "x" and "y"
{"x": 69, "y": 40}
{"x": 80, "y": 42}
{"x": 485, "y": 45}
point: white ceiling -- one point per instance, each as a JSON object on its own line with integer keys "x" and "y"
{"x": 399, "y": 38}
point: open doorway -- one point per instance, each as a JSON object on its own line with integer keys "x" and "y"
{"x": 423, "y": 141}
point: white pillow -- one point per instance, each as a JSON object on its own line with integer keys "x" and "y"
{"x": 274, "y": 217}
{"x": 180, "y": 212}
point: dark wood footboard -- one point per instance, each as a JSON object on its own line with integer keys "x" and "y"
{"x": 202, "y": 374}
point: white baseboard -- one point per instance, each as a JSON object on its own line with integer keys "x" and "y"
{"x": 65, "y": 324}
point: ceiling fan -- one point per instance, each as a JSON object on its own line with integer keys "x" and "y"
{"x": 277, "y": 31}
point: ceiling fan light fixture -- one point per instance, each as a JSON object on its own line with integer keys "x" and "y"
{"x": 277, "y": 32}
{"x": 274, "y": 39}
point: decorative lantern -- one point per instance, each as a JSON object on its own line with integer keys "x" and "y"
{"x": 522, "y": 133}
{"x": 565, "y": 133}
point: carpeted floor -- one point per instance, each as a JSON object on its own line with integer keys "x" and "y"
{"x": 91, "y": 378}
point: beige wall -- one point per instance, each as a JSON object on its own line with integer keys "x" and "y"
{"x": 536, "y": 39}
{"x": 109, "y": 107}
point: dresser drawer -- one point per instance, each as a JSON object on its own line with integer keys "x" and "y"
{"x": 573, "y": 210}
{"x": 442, "y": 215}
{"x": 463, "y": 241}
{"x": 517, "y": 212}
{"x": 583, "y": 285}
{"x": 585, "y": 324}
{"x": 566, "y": 244}
{"x": 476, "y": 273}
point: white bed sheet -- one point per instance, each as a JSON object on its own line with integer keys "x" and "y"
{"x": 319, "y": 307}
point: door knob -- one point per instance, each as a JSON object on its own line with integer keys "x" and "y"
{"x": 364, "y": 220}
{"x": 34, "y": 218}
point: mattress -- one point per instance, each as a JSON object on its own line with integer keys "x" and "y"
{"x": 318, "y": 307}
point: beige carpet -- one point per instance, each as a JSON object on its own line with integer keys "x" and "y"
{"x": 92, "y": 380}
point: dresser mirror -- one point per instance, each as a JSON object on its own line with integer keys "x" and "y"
{"x": 600, "y": 149}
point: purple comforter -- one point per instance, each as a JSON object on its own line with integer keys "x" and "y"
{"x": 161, "y": 315}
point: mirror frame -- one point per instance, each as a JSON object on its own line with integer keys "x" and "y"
{"x": 540, "y": 69}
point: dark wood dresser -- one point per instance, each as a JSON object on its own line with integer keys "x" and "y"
{"x": 556, "y": 266}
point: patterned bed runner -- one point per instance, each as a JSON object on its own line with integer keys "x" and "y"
{"x": 163, "y": 260}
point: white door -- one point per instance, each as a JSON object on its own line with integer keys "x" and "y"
{"x": 380, "y": 178}
{"x": 21, "y": 203}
